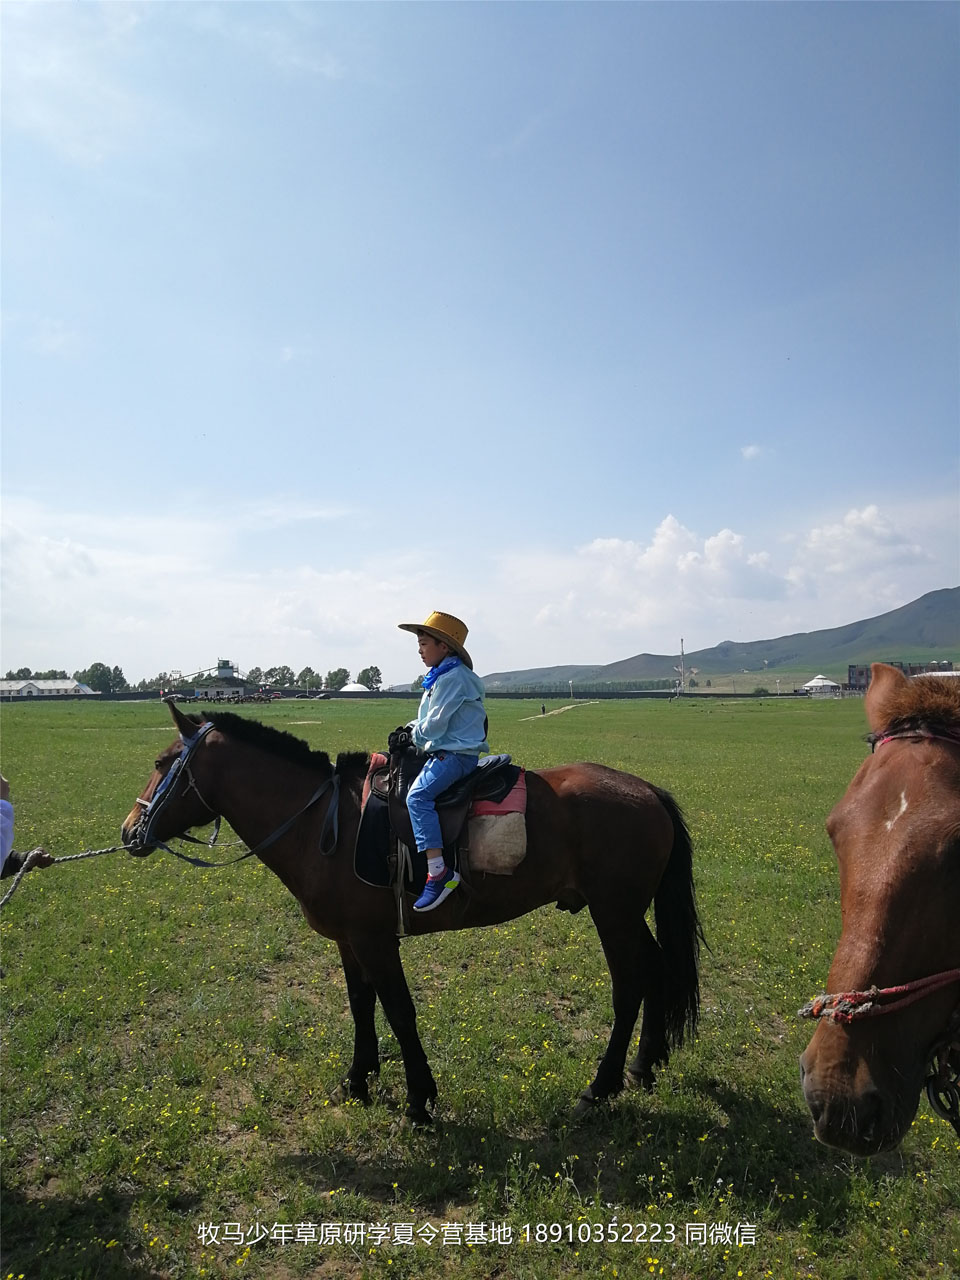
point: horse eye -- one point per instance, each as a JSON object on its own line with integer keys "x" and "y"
{"x": 158, "y": 764}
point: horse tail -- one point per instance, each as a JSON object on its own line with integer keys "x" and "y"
{"x": 679, "y": 932}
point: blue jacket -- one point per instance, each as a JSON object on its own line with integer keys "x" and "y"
{"x": 451, "y": 714}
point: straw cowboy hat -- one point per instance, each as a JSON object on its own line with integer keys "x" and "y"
{"x": 445, "y": 627}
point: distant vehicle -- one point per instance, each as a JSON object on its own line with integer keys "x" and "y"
{"x": 318, "y": 696}
{"x": 276, "y": 695}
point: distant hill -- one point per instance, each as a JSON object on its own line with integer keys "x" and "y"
{"x": 542, "y": 675}
{"x": 928, "y": 629}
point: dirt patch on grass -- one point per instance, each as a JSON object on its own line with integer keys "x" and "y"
{"x": 556, "y": 711}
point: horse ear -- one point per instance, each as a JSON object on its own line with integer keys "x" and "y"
{"x": 186, "y": 725}
{"x": 886, "y": 686}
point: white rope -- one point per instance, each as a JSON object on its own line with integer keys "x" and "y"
{"x": 33, "y": 857}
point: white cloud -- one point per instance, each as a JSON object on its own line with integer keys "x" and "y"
{"x": 615, "y": 597}
{"x": 277, "y": 512}
{"x": 48, "y": 336}
{"x": 167, "y": 591}
{"x": 290, "y": 49}
{"x": 867, "y": 554}
{"x": 157, "y": 591}
{"x": 60, "y": 82}
{"x": 750, "y": 451}
{"x": 612, "y": 588}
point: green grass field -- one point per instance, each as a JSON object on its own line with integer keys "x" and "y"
{"x": 172, "y": 1038}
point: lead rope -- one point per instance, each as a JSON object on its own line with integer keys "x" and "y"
{"x": 32, "y": 859}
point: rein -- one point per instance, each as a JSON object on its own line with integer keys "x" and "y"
{"x": 330, "y": 823}
{"x": 181, "y": 769}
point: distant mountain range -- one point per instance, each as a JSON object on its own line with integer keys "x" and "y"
{"x": 925, "y": 631}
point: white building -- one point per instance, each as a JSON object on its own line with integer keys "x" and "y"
{"x": 44, "y": 689}
{"x": 821, "y": 687}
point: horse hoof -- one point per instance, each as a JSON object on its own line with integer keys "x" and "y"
{"x": 585, "y": 1107}
{"x": 637, "y": 1080}
{"x": 347, "y": 1092}
{"x": 418, "y": 1119}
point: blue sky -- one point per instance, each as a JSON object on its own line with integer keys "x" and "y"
{"x": 598, "y": 325}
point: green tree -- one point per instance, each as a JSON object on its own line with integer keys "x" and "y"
{"x": 282, "y": 676}
{"x": 417, "y": 684}
{"x": 23, "y": 674}
{"x": 371, "y": 677}
{"x": 337, "y": 679}
{"x": 308, "y": 679}
{"x": 255, "y": 676}
{"x": 98, "y": 677}
{"x": 161, "y": 681}
{"x": 118, "y": 682}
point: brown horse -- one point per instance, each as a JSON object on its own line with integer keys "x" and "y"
{"x": 596, "y": 837}
{"x": 894, "y": 1020}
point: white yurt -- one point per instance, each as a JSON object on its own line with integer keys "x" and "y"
{"x": 821, "y": 687}
{"x": 353, "y": 687}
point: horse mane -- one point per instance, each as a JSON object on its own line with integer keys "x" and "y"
{"x": 353, "y": 764}
{"x": 275, "y": 741}
{"x": 925, "y": 702}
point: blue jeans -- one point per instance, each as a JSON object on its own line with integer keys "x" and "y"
{"x": 440, "y": 771}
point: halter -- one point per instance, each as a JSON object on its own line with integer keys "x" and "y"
{"x": 180, "y": 768}
{"x": 877, "y": 740}
{"x": 943, "y": 1058}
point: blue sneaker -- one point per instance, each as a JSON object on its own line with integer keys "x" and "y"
{"x": 436, "y": 889}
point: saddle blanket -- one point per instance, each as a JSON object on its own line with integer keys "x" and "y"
{"x": 496, "y": 836}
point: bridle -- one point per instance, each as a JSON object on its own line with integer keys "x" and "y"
{"x": 942, "y": 1077}
{"x": 152, "y": 808}
{"x": 878, "y": 740}
{"x": 143, "y": 836}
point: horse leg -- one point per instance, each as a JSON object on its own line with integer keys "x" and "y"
{"x": 618, "y": 936}
{"x": 653, "y": 1050}
{"x": 366, "y": 1052}
{"x": 380, "y": 960}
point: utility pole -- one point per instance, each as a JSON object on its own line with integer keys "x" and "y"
{"x": 679, "y": 670}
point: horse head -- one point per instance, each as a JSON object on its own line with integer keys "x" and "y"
{"x": 171, "y": 802}
{"x": 896, "y": 833}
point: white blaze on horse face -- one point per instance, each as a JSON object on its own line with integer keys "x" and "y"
{"x": 900, "y": 812}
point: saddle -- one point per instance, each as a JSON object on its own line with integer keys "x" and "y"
{"x": 491, "y": 780}
{"x": 386, "y": 851}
